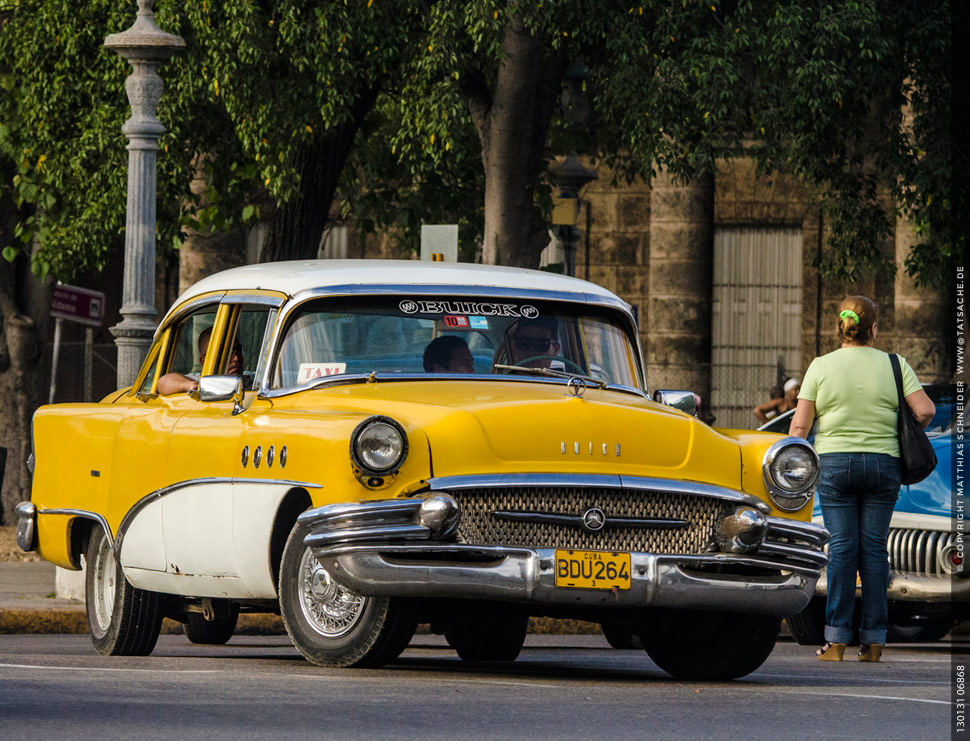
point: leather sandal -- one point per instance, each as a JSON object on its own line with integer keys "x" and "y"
{"x": 870, "y": 652}
{"x": 831, "y": 652}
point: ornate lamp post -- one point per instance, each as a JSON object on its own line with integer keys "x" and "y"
{"x": 145, "y": 46}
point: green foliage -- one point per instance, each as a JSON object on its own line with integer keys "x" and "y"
{"x": 256, "y": 81}
{"x": 807, "y": 87}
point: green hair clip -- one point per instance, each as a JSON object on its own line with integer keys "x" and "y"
{"x": 849, "y": 314}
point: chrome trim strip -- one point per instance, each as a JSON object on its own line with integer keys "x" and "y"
{"x": 441, "y": 483}
{"x": 577, "y": 520}
{"x": 191, "y": 306}
{"x": 81, "y": 513}
{"x": 239, "y": 298}
{"x": 408, "y": 531}
{"x": 165, "y": 490}
{"x": 459, "y": 289}
{"x": 816, "y": 558}
{"x": 345, "y": 379}
{"x": 376, "y": 509}
{"x": 806, "y": 531}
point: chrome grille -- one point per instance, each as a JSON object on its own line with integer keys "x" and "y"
{"x": 479, "y": 527}
{"x": 918, "y": 551}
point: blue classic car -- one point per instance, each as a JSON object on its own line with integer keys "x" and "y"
{"x": 929, "y": 588}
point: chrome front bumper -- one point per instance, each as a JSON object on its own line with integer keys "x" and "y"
{"x": 527, "y": 575}
{"x": 399, "y": 548}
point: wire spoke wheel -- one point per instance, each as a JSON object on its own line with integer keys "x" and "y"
{"x": 332, "y": 625}
{"x": 328, "y": 608}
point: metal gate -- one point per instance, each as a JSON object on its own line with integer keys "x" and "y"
{"x": 756, "y": 318}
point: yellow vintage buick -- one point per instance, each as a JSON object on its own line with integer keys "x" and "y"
{"x": 362, "y": 446}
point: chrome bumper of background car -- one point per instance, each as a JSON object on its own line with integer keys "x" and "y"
{"x": 397, "y": 548}
{"x": 526, "y": 575}
{"x": 916, "y": 588}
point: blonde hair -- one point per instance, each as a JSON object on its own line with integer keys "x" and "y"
{"x": 857, "y": 331}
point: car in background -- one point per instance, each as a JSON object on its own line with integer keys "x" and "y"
{"x": 929, "y": 587}
{"x": 376, "y": 444}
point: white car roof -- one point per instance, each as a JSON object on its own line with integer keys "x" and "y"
{"x": 296, "y": 276}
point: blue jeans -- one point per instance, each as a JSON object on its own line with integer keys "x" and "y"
{"x": 857, "y": 492}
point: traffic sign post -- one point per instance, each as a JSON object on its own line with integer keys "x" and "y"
{"x": 82, "y": 306}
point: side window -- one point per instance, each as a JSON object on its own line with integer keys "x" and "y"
{"x": 192, "y": 342}
{"x": 250, "y": 341}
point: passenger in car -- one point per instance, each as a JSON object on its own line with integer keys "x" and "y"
{"x": 175, "y": 383}
{"x": 448, "y": 354}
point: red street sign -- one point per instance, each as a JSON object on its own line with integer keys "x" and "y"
{"x": 80, "y": 305}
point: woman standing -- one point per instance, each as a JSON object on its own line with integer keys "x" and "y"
{"x": 853, "y": 393}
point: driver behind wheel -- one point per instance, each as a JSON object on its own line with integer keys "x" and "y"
{"x": 531, "y": 343}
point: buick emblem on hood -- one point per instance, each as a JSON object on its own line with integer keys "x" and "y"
{"x": 594, "y": 519}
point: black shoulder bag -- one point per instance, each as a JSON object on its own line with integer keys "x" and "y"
{"x": 916, "y": 456}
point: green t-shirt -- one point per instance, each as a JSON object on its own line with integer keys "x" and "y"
{"x": 855, "y": 400}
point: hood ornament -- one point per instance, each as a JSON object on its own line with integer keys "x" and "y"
{"x": 576, "y": 386}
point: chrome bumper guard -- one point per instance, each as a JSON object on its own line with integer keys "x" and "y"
{"x": 393, "y": 548}
{"x": 26, "y": 526}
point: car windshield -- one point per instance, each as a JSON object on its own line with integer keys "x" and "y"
{"x": 340, "y": 336}
{"x": 946, "y": 411}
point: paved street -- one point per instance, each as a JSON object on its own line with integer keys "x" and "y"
{"x": 562, "y": 687}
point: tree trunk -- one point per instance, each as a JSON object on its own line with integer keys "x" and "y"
{"x": 24, "y": 311}
{"x": 512, "y": 125}
{"x": 298, "y": 226}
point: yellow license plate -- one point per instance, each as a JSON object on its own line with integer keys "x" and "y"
{"x": 592, "y": 569}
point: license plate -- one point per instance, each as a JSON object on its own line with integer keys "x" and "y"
{"x": 592, "y": 569}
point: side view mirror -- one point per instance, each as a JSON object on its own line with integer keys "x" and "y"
{"x": 222, "y": 388}
{"x": 682, "y": 400}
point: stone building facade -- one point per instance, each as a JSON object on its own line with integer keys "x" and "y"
{"x": 666, "y": 248}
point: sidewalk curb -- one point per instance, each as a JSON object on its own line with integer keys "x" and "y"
{"x": 73, "y": 620}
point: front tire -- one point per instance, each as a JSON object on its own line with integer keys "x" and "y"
{"x": 332, "y": 626}
{"x": 709, "y": 646}
{"x": 621, "y": 637}
{"x": 487, "y": 637}
{"x": 122, "y": 620}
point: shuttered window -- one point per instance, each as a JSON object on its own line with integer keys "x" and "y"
{"x": 756, "y": 318}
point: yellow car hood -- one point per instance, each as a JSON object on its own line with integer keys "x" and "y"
{"x": 524, "y": 427}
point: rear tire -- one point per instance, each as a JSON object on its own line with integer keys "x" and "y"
{"x": 487, "y": 637}
{"x": 709, "y": 646}
{"x": 332, "y": 626}
{"x": 123, "y": 620}
{"x": 808, "y": 626}
{"x": 211, "y": 632}
{"x": 621, "y": 637}
{"x": 929, "y": 631}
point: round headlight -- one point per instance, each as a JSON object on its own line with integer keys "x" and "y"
{"x": 790, "y": 470}
{"x": 379, "y": 445}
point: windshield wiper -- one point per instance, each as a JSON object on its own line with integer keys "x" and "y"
{"x": 590, "y": 380}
